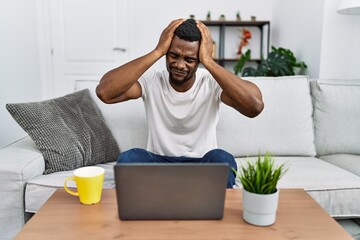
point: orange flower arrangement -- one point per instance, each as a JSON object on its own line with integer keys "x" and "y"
{"x": 246, "y": 35}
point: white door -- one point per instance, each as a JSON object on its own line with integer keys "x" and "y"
{"x": 86, "y": 38}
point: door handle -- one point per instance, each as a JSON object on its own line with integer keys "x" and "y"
{"x": 119, "y": 49}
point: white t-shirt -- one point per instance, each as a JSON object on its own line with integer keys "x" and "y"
{"x": 181, "y": 123}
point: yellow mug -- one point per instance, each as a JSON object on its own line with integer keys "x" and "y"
{"x": 89, "y": 182}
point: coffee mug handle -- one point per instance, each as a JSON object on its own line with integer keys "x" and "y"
{"x": 68, "y": 190}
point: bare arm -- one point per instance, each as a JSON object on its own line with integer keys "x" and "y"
{"x": 242, "y": 95}
{"x": 121, "y": 84}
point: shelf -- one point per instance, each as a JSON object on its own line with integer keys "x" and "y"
{"x": 237, "y": 23}
{"x": 235, "y": 59}
{"x": 223, "y": 24}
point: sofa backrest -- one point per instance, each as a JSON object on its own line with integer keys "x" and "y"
{"x": 285, "y": 127}
{"x": 127, "y": 121}
{"x": 336, "y": 116}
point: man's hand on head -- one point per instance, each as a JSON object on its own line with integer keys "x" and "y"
{"x": 206, "y": 46}
{"x": 167, "y": 36}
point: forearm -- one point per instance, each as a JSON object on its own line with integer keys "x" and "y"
{"x": 240, "y": 94}
{"x": 117, "y": 81}
{"x": 119, "y": 84}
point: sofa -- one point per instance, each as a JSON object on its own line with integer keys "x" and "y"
{"x": 310, "y": 125}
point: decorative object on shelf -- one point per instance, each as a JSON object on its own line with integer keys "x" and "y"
{"x": 238, "y": 17}
{"x": 260, "y": 194}
{"x": 208, "y": 16}
{"x": 245, "y": 36}
{"x": 214, "y": 50}
{"x": 222, "y": 17}
{"x": 280, "y": 62}
{"x": 349, "y": 7}
{"x": 253, "y": 18}
{"x": 192, "y": 16}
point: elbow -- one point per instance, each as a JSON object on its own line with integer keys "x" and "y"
{"x": 258, "y": 107}
{"x": 254, "y": 109}
{"x": 101, "y": 94}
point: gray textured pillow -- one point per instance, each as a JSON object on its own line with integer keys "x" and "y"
{"x": 69, "y": 131}
{"x": 336, "y": 116}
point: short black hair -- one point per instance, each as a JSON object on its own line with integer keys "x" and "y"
{"x": 188, "y": 31}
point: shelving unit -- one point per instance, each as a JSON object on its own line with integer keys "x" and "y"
{"x": 223, "y": 24}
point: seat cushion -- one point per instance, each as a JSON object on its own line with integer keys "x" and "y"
{"x": 348, "y": 162}
{"x": 336, "y": 190}
{"x": 38, "y": 190}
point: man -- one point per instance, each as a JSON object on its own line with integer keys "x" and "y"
{"x": 182, "y": 103}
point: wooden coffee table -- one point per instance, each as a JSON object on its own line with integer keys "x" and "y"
{"x": 63, "y": 217}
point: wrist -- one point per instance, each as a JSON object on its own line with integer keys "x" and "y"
{"x": 158, "y": 53}
{"x": 208, "y": 62}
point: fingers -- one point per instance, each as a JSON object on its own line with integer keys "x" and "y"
{"x": 205, "y": 33}
{"x": 206, "y": 41}
{"x": 167, "y": 36}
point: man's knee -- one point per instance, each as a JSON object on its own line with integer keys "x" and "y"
{"x": 219, "y": 155}
{"x": 133, "y": 155}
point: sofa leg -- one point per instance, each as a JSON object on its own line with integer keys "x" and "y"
{"x": 28, "y": 215}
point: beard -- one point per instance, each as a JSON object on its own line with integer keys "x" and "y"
{"x": 178, "y": 82}
{"x": 179, "y": 78}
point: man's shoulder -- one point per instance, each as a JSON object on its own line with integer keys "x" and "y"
{"x": 153, "y": 75}
{"x": 204, "y": 74}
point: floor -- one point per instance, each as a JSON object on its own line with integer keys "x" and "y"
{"x": 352, "y": 226}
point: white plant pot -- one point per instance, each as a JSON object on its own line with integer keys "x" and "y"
{"x": 260, "y": 209}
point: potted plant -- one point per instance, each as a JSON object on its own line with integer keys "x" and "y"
{"x": 280, "y": 62}
{"x": 260, "y": 194}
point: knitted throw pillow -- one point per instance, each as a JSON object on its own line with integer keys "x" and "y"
{"x": 69, "y": 131}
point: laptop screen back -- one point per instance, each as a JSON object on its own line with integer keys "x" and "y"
{"x": 157, "y": 191}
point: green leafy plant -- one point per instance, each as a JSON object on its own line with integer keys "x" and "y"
{"x": 261, "y": 176}
{"x": 280, "y": 62}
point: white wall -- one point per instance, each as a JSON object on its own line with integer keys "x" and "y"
{"x": 340, "y": 52}
{"x": 149, "y": 18}
{"x": 326, "y": 41}
{"x": 297, "y": 25}
{"x": 19, "y": 62}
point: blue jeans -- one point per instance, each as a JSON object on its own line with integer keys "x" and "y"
{"x": 137, "y": 155}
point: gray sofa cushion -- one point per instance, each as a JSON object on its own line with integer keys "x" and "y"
{"x": 285, "y": 127}
{"x": 39, "y": 189}
{"x": 69, "y": 131}
{"x": 337, "y": 116}
{"x": 348, "y": 162}
{"x": 336, "y": 190}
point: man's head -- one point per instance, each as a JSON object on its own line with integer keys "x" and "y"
{"x": 188, "y": 31}
{"x": 182, "y": 58}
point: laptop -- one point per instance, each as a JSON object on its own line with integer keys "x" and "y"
{"x": 171, "y": 191}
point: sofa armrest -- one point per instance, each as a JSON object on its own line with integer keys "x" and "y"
{"x": 19, "y": 162}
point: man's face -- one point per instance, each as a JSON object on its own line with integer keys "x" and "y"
{"x": 182, "y": 62}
